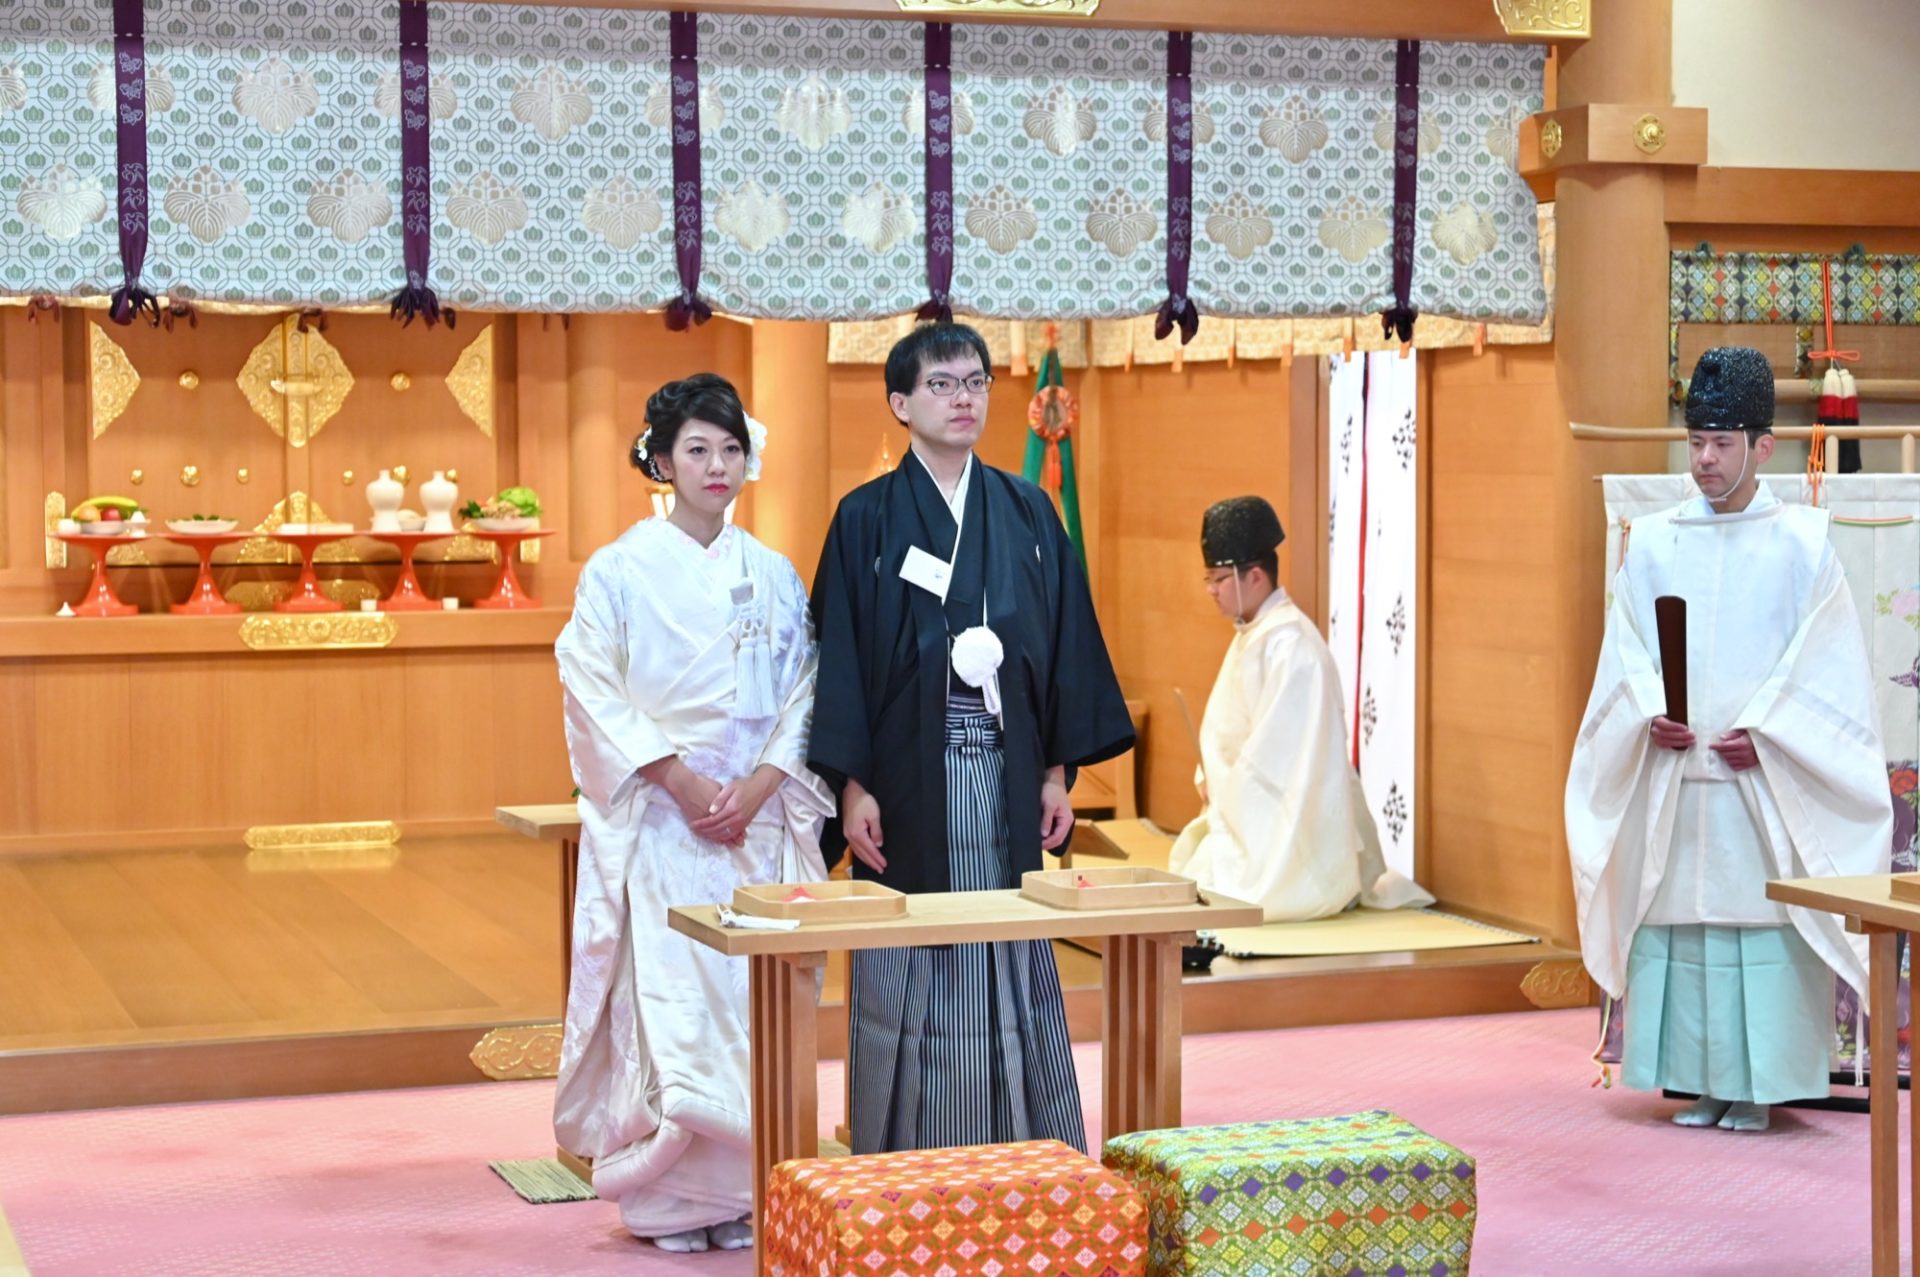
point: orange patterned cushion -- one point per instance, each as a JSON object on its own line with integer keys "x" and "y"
{"x": 998, "y": 1210}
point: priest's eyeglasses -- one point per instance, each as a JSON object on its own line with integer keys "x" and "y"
{"x": 941, "y": 387}
{"x": 1216, "y": 577}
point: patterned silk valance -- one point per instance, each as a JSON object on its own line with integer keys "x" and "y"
{"x": 274, "y": 164}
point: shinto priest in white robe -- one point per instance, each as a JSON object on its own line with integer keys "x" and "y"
{"x": 1286, "y": 824}
{"x": 1668, "y": 844}
{"x": 704, "y": 653}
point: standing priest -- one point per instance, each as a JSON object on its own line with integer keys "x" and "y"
{"x": 1777, "y": 772}
{"x": 962, "y": 679}
{"x": 1286, "y": 824}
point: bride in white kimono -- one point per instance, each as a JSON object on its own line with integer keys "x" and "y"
{"x": 688, "y": 669}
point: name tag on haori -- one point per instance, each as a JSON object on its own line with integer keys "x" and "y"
{"x": 925, "y": 571}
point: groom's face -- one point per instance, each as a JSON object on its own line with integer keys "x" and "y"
{"x": 948, "y": 406}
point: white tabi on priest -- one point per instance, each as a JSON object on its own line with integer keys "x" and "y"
{"x": 1674, "y": 828}
{"x": 1286, "y": 824}
{"x": 689, "y": 673}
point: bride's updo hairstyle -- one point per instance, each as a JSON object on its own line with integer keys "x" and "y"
{"x": 707, "y": 396}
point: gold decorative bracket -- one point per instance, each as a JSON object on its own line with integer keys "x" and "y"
{"x": 519, "y": 1052}
{"x": 111, "y": 379}
{"x": 56, "y": 548}
{"x": 471, "y": 381}
{"x": 1613, "y": 133}
{"x": 1553, "y": 986}
{"x": 1547, "y": 19}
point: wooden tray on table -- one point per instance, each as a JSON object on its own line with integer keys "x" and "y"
{"x": 851, "y": 901}
{"x": 1126, "y": 887}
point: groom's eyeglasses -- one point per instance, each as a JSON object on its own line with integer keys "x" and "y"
{"x": 941, "y": 387}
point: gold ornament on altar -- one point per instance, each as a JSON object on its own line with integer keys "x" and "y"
{"x": 1649, "y": 134}
{"x": 470, "y": 381}
{"x": 1552, "y": 137}
{"x": 400, "y": 381}
{"x": 111, "y": 376}
{"x": 243, "y": 474}
{"x": 190, "y": 476}
{"x": 346, "y": 477}
{"x": 295, "y": 381}
{"x": 1552, "y": 18}
{"x": 138, "y": 476}
{"x": 189, "y": 380}
{"x": 279, "y": 632}
{"x": 400, "y": 473}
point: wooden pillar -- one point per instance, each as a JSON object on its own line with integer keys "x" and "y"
{"x": 788, "y": 508}
{"x": 1610, "y": 343}
{"x": 595, "y": 450}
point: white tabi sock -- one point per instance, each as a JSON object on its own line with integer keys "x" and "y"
{"x": 735, "y": 1234}
{"x": 694, "y": 1239}
{"x": 1743, "y": 1116}
{"x": 1705, "y": 1111}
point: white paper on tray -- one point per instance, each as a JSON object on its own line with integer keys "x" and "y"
{"x": 747, "y": 921}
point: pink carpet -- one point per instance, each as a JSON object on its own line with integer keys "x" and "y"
{"x": 1573, "y": 1180}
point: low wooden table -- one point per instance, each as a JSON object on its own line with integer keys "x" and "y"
{"x": 1869, "y": 907}
{"x": 1140, "y": 1020}
{"x": 554, "y": 822}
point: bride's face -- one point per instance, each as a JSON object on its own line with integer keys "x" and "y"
{"x": 707, "y": 466}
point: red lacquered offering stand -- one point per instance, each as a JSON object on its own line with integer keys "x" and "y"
{"x": 205, "y": 598}
{"x": 100, "y": 599}
{"x": 507, "y": 591}
{"x": 406, "y": 595}
{"x": 306, "y": 596}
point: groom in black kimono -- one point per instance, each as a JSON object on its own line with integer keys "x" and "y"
{"x": 962, "y": 680}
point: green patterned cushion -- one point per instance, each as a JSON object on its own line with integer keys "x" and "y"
{"x": 1361, "y": 1195}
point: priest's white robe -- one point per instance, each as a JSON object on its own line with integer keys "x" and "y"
{"x": 1663, "y": 838}
{"x": 705, "y": 653}
{"x": 1286, "y": 824}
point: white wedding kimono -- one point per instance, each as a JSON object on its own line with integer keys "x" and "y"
{"x": 704, "y": 653}
{"x": 1667, "y": 843}
{"x": 1286, "y": 824}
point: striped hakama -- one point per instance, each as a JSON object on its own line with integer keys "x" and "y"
{"x": 953, "y": 1045}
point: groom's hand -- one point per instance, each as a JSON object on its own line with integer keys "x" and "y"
{"x": 1056, "y": 811}
{"x": 860, "y": 821}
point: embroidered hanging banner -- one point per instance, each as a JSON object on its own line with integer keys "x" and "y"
{"x": 1178, "y": 308}
{"x": 129, "y": 106}
{"x": 417, "y": 299}
{"x": 1397, "y": 320}
{"x": 684, "y": 73}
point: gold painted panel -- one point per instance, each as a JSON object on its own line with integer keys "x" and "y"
{"x": 284, "y": 632}
{"x": 519, "y": 1052}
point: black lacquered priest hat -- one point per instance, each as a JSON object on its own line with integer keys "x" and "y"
{"x": 1731, "y": 389}
{"x": 1239, "y": 530}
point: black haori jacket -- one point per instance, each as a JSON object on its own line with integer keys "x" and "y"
{"x": 880, "y": 705}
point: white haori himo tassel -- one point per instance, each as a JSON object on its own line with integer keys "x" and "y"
{"x": 753, "y": 664}
{"x": 976, "y": 659}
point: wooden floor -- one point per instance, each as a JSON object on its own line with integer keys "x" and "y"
{"x": 216, "y": 944}
{"x": 151, "y": 976}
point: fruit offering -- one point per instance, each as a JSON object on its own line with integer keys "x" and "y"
{"x": 106, "y": 510}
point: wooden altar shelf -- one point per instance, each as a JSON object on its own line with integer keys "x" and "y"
{"x": 153, "y": 634}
